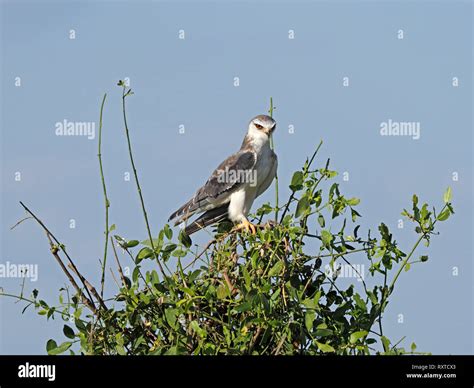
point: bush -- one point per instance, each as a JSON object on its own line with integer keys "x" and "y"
{"x": 276, "y": 292}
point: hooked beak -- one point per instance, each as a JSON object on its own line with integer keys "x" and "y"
{"x": 271, "y": 130}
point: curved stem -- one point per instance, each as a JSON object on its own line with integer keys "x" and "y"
{"x": 272, "y": 146}
{"x": 145, "y": 215}
{"x": 106, "y": 199}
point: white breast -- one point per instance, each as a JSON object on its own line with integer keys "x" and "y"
{"x": 265, "y": 169}
{"x": 240, "y": 202}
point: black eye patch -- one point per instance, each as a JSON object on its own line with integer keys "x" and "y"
{"x": 259, "y": 126}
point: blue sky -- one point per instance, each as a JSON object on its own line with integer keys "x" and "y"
{"x": 190, "y": 82}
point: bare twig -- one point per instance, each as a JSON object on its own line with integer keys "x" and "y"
{"x": 272, "y": 146}
{"x": 200, "y": 254}
{"x": 89, "y": 286}
{"x": 19, "y": 222}
{"x": 54, "y": 250}
{"x": 280, "y": 344}
{"x": 255, "y": 338}
{"x": 59, "y": 246}
{"x": 106, "y": 199}
{"x": 130, "y": 153}
{"x": 122, "y": 277}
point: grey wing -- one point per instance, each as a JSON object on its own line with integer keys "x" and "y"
{"x": 269, "y": 178}
{"x": 216, "y": 191}
{"x": 210, "y": 217}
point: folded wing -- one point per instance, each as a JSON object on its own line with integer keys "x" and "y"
{"x": 217, "y": 190}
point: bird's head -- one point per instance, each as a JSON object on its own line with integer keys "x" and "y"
{"x": 261, "y": 127}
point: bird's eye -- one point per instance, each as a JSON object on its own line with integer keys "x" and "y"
{"x": 259, "y": 126}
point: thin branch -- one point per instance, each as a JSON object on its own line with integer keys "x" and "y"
{"x": 280, "y": 344}
{"x": 130, "y": 153}
{"x": 200, "y": 254}
{"x": 59, "y": 244}
{"x": 272, "y": 146}
{"x": 19, "y": 222}
{"x": 106, "y": 199}
{"x": 89, "y": 286}
{"x": 54, "y": 250}
{"x": 122, "y": 277}
{"x": 292, "y": 196}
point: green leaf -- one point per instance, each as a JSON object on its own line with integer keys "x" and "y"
{"x": 80, "y": 325}
{"x": 248, "y": 281}
{"x": 309, "y": 319}
{"x": 325, "y": 348}
{"x": 169, "y": 248}
{"x": 302, "y": 207}
{"x": 297, "y": 181}
{"x": 173, "y": 351}
{"x": 68, "y": 332}
{"x": 357, "y": 335}
{"x": 354, "y": 215}
{"x": 120, "y": 240}
{"x": 447, "y": 195}
{"x": 156, "y": 242}
{"x": 120, "y": 350}
{"x": 385, "y": 343}
{"x": 179, "y": 253}
{"x": 168, "y": 232}
{"x": 144, "y": 254}
{"x": 60, "y": 349}
{"x": 136, "y": 274}
{"x": 321, "y": 221}
{"x": 316, "y": 298}
{"x": 276, "y": 269}
{"x": 444, "y": 215}
{"x": 222, "y": 292}
{"x": 132, "y": 243}
{"x": 326, "y": 238}
{"x": 360, "y": 302}
{"x": 184, "y": 239}
{"x": 353, "y": 201}
{"x": 323, "y": 332}
{"x": 246, "y": 306}
{"x": 197, "y": 329}
{"x": 50, "y": 345}
{"x": 171, "y": 316}
{"x": 193, "y": 276}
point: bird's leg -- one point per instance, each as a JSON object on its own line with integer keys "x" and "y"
{"x": 248, "y": 226}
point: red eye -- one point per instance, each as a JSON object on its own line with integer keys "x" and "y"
{"x": 259, "y": 126}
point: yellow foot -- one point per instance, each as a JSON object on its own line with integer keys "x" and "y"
{"x": 248, "y": 226}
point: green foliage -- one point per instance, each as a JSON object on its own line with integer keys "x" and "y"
{"x": 258, "y": 294}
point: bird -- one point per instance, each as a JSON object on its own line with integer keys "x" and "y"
{"x": 231, "y": 189}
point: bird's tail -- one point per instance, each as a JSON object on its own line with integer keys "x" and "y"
{"x": 183, "y": 213}
{"x": 208, "y": 218}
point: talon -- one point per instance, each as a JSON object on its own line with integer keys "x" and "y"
{"x": 252, "y": 228}
{"x": 248, "y": 226}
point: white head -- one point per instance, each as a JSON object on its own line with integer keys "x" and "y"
{"x": 260, "y": 128}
